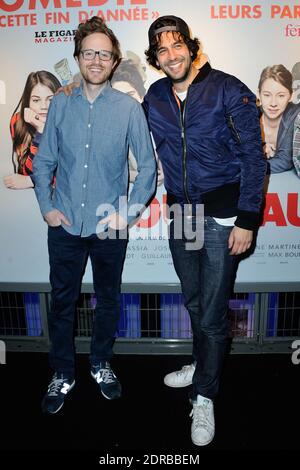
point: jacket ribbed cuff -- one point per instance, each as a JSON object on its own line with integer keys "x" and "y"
{"x": 247, "y": 220}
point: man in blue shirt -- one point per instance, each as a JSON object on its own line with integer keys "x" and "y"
{"x": 85, "y": 144}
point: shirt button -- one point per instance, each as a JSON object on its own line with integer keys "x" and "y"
{"x": 91, "y": 107}
{"x": 84, "y": 185}
{"x": 85, "y": 166}
{"x": 82, "y": 205}
{"x": 87, "y": 146}
{"x": 89, "y": 125}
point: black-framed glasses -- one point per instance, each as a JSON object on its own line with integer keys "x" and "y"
{"x": 90, "y": 54}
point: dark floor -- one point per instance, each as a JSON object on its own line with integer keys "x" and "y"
{"x": 257, "y": 408}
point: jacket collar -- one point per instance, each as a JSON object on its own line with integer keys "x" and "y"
{"x": 202, "y": 74}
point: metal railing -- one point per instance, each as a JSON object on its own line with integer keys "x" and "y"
{"x": 156, "y": 323}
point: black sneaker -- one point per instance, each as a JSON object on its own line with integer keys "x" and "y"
{"x": 109, "y": 385}
{"x": 58, "y": 388}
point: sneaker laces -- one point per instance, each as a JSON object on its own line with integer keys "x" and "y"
{"x": 105, "y": 375}
{"x": 184, "y": 370}
{"x": 200, "y": 414}
{"x": 55, "y": 386}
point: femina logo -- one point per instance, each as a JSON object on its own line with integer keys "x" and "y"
{"x": 296, "y": 354}
{"x": 2, "y": 352}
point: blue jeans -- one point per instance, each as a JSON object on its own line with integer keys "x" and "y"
{"x": 67, "y": 257}
{"x": 206, "y": 277}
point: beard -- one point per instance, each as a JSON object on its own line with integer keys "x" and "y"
{"x": 181, "y": 78}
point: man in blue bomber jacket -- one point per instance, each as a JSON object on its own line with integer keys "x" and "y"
{"x": 205, "y": 124}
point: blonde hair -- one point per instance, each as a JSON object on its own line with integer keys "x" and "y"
{"x": 278, "y": 73}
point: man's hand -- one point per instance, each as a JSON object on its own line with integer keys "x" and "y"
{"x": 240, "y": 240}
{"x": 115, "y": 221}
{"x": 16, "y": 181}
{"x": 54, "y": 218}
{"x": 38, "y": 122}
{"x": 68, "y": 89}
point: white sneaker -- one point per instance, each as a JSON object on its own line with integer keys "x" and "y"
{"x": 203, "y": 425}
{"x": 180, "y": 378}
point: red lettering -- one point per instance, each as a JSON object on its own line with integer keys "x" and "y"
{"x": 82, "y": 16}
{"x": 273, "y": 211}
{"x": 133, "y": 2}
{"x": 153, "y": 217}
{"x": 223, "y": 12}
{"x": 73, "y": 3}
{"x": 235, "y": 11}
{"x": 96, "y": 3}
{"x": 292, "y": 209}
{"x": 257, "y": 11}
{"x": 44, "y": 3}
{"x": 285, "y": 12}
{"x": 212, "y": 12}
{"x": 275, "y": 10}
{"x": 11, "y": 7}
{"x": 34, "y": 4}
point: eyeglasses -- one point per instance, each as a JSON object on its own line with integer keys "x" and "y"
{"x": 90, "y": 54}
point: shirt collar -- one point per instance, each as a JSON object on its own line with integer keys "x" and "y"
{"x": 79, "y": 91}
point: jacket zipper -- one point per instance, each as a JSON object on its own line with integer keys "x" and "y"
{"x": 182, "y": 116}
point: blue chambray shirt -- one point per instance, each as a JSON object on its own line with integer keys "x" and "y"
{"x": 86, "y": 145}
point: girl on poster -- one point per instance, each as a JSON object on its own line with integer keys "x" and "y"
{"x": 27, "y": 125}
{"x": 278, "y": 116}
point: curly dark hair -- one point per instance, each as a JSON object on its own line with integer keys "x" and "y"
{"x": 151, "y": 53}
{"x": 96, "y": 25}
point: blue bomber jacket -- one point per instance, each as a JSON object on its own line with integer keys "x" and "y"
{"x": 210, "y": 148}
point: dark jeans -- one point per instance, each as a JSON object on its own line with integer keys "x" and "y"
{"x": 206, "y": 276}
{"x": 67, "y": 256}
